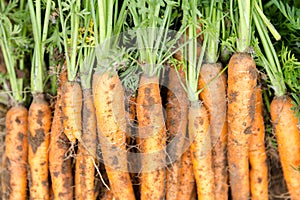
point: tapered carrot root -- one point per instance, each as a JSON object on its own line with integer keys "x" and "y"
{"x": 39, "y": 122}
{"x": 59, "y": 165}
{"x": 176, "y": 124}
{"x": 152, "y": 138}
{"x": 72, "y": 105}
{"x": 187, "y": 187}
{"x": 200, "y": 148}
{"x": 257, "y": 154}
{"x": 108, "y": 98}
{"x": 86, "y": 154}
{"x": 214, "y": 99}
{"x": 108, "y": 195}
{"x": 241, "y": 112}
{"x": 287, "y": 132}
{"x": 14, "y": 177}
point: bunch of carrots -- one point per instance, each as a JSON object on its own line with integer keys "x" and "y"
{"x": 147, "y": 99}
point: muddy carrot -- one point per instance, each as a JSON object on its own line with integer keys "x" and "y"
{"x": 14, "y": 177}
{"x": 214, "y": 99}
{"x": 108, "y": 96}
{"x": 187, "y": 188}
{"x": 257, "y": 153}
{"x": 176, "y": 124}
{"x": 241, "y": 113}
{"x": 60, "y": 165}
{"x": 39, "y": 122}
{"x": 199, "y": 134}
{"x": 152, "y": 138}
{"x": 287, "y": 132}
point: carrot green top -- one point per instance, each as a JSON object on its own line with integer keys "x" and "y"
{"x": 214, "y": 15}
{"x": 191, "y": 16}
{"x": 270, "y": 62}
{"x": 14, "y": 44}
{"x": 40, "y": 31}
{"x": 152, "y": 20}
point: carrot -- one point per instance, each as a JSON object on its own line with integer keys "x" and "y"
{"x": 108, "y": 195}
{"x": 39, "y": 119}
{"x": 86, "y": 154}
{"x": 176, "y": 124}
{"x": 214, "y": 99}
{"x": 71, "y": 106}
{"x": 187, "y": 187}
{"x": 152, "y": 138}
{"x": 108, "y": 98}
{"x": 200, "y": 148}
{"x": 287, "y": 132}
{"x": 241, "y": 113}
{"x": 285, "y": 123}
{"x": 39, "y": 122}
{"x": 257, "y": 153}
{"x": 60, "y": 166}
{"x": 14, "y": 177}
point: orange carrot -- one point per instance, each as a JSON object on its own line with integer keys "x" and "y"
{"x": 152, "y": 138}
{"x": 108, "y": 195}
{"x": 86, "y": 154}
{"x": 257, "y": 154}
{"x": 39, "y": 123}
{"x": 176, "y": 124}
{"x": 187, "y": 187}
{"x": 108, "y": 98}
{"x": 287, "y": 132}
{"x": 14, "y": 177}
{"x": 72, "y": 105}
{"x": 200, "y": 148}
{"x": 214, "y": 99}
{"x": 241, "y": 112}
{"x": 60, "y": 166}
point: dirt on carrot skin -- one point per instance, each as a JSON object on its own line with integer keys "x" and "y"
{"x": 86, "y": 153}
{"x": 285, "y": 125}
{"x": 14, "y": 175}
{"x": 60, "y": 165}
{"x": 39, "y": 127}
{"x": 187, "y": 188}
{"x": 242, "y": 80}
{"x": 199, "y": 134}
{"x": 72, "y": 106}
{"x": 257, "y": 153}
{"x": 214, "y": 99}
{"x": 108, "y": 96}
{"x": 176, "y": 124}
{"x": 152, "y": 138}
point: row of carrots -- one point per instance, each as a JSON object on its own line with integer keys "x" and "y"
{"x": 204, "y": 138}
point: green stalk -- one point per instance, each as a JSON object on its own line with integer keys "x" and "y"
{"x": 192, "y": 63}
{"x": 11, "y": 59}
{"x": 271, "y": 64}
{"x": 151, "y": 33}
{"x": 72, "y": 59}
{"x": 87, "y": 52}
{"x": 9, "y": 63}
{"x": 40, "y": 36}
{"x": 244, "y": 32}
{"x": 213, "y": 38}
{"x": 72, "y": 70}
